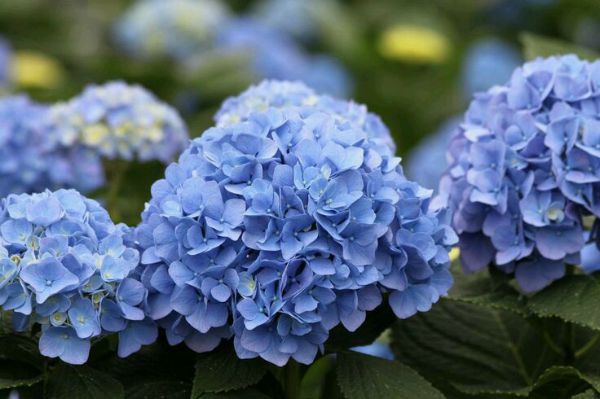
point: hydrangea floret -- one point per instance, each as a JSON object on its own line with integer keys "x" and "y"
{"x": 33, "y": 159}
{"x": 524, "y": 172}
{"x": 278, "y": 228}
{"x": 121, "y": 121}
{"x": 66, "y": 266}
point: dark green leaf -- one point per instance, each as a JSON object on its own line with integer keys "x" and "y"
{"x": 20, "y": 362}
{"x": 538, "y": 46}
{"x": 573, "y": 298}
{"x": 82, "y": 382}
{"x": 364, "y": 377}
{"x": 486, "y": 290}
{"x": 589, "y": 394}
{"x": 474, "y": 349}
{"x": 314, "y": 378}
{"x": 244, "y": 394}
{"x": 376, "y": 323}
{"x": 160, "y": 390}
{"x": 222, "y": 371}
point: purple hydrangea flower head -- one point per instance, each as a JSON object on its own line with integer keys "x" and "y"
{"x": 523, "y": 171}
{"x": 275, "y": 229}
{"x": 31, "y": 156}
{"x": 118, "y": 120}
{"x": 66, "y": 266}
{"x": 177, "y": 29}
{"x": 283, "y": 94}
{"x": 275, "y": 55}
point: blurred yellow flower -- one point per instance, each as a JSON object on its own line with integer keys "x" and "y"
{"x": 454, "y": 254}
{"x": 413, "y": 43}
{"x": 36, "y": 70}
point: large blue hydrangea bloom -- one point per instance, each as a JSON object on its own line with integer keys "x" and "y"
{"x": 280, "y": 227}
{"x": 281, "y": 94}
{"x": 118, "y": 120}
{"x": 177, "y": 29}
{"x": 275, "y": 55}
{"x": 524, "y": 171}
{"x": 66, "y": 266}
{"x": 31, "y": 157}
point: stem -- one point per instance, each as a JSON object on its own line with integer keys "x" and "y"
{"x": 116, "y": 180}
{"x": 587, "y": 347}
{"x": 569, "y": 343}
{"x": 292, "y": 380}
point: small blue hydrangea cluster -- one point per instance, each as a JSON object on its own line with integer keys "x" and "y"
{"x": 31, "y": 157}
{"x": 278, "y": 228}
{"x": 174, "y": 28}
{"x": 120, "y": 121}
{"x": 274, "y": 55}
{"x": 524, "y": 171}
{"x": 282, "y": 94}
{"x": 67, "y": 267}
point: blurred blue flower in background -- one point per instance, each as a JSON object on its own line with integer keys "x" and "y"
{"x": 427, "y": 161}
{"x": 118, "y": 120}
{"x": 275, "y": 55}
{"x": 5, "y": 60}
{"x": 66, "y": 266}
{"x": 276, "y": 229}
{"x": 294, "y": 17}
{"x": 177, "y": 29}
{"x": 31, "y": 157}
{"x": 524, "y": 171}
{"x": 497, "y": 58}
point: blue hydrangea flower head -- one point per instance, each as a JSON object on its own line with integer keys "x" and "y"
{"x": 523, "y": 171}
{"x": 276, "y": 229}
{"x": 66, "y": 266}
{"x": 275, "y": 55}
{"x": 278, "y": 14}
{"x": 118, "y": 120}
{"x": 32, "y": 159}
{"x": 497, "y": 58}
{"x": 281, "y": 94}
{"x": 177, "y": 29}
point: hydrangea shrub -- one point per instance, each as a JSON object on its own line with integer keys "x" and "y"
{"x": 275, "y": 229}
{"x": 66, "y": 266}
{"x": 523, "y": 174}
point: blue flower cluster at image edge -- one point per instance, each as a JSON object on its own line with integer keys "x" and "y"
{"x": 276, "y": 229}
{"x": 65, "y": 266}
{"x": 32, "y": 156}
{"x": 524, "y": 172}
{"x": 117, "y": 120}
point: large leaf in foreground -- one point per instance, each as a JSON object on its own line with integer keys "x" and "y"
{"x": 474, "y": 349}
{"x": 574, "y": 298}
{"x": 20, "y": 362}
{"x": 82, "y": 382}
{"x": 364, "y": 377}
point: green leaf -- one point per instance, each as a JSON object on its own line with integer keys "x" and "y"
{"x": 314, "y": 379}
{"x": 474, "y": 349}
{"x": 82, "y": 382}
{"x": 244, "y": 394}
{"x": 574, "y": 298}
{"x": 20, "y": 362}
{"x": 589, "y": 394}
{"x": 559, "y": 382}
{"x": 538, "y": 46}
{"x": 222, "y": 371}
{"x": 486, "y": 290}
{"x": 161, "y": 390}
{"x": 376, "y": 323}
{"x": 364, "y": 377}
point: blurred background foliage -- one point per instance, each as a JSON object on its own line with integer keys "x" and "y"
{"x": 415, "y": 63}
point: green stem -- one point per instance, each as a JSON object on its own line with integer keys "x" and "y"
{"x": 587, "y": 347}
{"x": 118, "y": 169}
{"x": 292, "y": 379}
